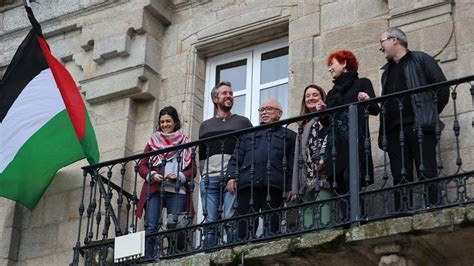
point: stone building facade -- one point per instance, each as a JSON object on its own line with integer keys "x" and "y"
{"x": 130, "y": 58}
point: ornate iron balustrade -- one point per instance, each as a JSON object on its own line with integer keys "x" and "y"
{"x": 365, "y": 198}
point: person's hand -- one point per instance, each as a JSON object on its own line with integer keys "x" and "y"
{"x": 171, "y": 176}
{"x": 320, "y": 105}
{"x": 290, "y": 194}
{"x": 157, "y": 178}
{"x": 320, "y": 165}
{"x": 362, "y": 96}
{"x": 231, "y": 185}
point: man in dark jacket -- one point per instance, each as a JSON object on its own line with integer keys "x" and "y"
{"x": 417, "y": 120}
{"x": 260, "y": 170}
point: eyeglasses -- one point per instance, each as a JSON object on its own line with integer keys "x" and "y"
{"x": 388, "y": 38}
{"x": 267, "y": 108}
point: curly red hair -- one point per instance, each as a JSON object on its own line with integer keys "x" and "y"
{"x": 344, "y": 56}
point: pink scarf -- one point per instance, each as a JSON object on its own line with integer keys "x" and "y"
{"x": 161, "y": 140}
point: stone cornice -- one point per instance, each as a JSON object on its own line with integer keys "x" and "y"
{"x": 183, "y": 4}
{"x": 268, "y": 26}
{"x": 138, "y": 82}
{"x": 161, "y": 10}
{"x": 419, "y": 14}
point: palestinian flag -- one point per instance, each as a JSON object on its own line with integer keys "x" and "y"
{"x": 43, "y": 121}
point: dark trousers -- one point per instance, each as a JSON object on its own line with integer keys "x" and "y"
{"x": 259, "y": 203}
{"x": 402, "y": 161}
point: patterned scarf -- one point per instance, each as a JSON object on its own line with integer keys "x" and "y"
{"x": 161, "y": 140}
{"x": 315, "y": 177}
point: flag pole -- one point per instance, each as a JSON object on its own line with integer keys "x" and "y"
{"x": 27, "y": 3}
{"x": 34, "y": 23}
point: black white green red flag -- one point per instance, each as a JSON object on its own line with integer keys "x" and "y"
{"x": 44, "y": 124}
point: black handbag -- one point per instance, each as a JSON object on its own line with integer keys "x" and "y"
{"x": 425, "y": 111}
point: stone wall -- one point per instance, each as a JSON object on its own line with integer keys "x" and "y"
{"x": 113, "y": 50}
{"x": 131, "y": 58}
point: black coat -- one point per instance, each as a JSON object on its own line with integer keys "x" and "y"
{"x": 419, "y": 69}
{"x": 346, "y": 88}
{"x": 244, "y": 157}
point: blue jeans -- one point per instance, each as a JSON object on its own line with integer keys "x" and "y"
{"x": 212, "y": 197}
{"x": 174, "y": 204}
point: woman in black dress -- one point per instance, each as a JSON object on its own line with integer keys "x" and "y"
{"x": 348, "y": 88}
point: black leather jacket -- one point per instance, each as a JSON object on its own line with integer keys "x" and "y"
{"x": 420, "y": 69}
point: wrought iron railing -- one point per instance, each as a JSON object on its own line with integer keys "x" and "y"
{"x": 366, "y": 197}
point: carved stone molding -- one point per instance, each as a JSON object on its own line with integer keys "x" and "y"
{"x": 61, "y": 30}
{"x": 239, "y": 32}
{"x": 113, "y": 46}
{"x": 139, "y": 83}
{"x": 161, "y": 10}
{"x": 183, "y": 4}
{"x": 406, "y": 253}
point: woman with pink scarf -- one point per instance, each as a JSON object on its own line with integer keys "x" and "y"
{"x": 167, "y": 178}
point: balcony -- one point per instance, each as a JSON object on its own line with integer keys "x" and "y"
{"x": 343, "y": 228}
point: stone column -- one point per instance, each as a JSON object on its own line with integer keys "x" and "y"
{"x": 390, "y": 255}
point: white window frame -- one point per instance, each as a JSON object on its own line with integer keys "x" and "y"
{"x": 211, "y": 77}
{"x": 253, "y": 56}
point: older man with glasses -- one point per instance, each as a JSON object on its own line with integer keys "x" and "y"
{"x": 256, "y": 171}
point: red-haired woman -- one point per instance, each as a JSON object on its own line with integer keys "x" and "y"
{"x": 348, "y": 88}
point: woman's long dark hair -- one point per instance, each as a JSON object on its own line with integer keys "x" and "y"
{"x": 171, "y": 111}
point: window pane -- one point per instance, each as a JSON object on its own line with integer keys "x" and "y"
{"x": 239, "y": 105}
{"x": 274, "y": 65}
{"x": 279, "y": 93}
{"x": 235, "y": 72}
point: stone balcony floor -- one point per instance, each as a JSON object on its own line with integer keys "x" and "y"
{"x": 441, "y": 237}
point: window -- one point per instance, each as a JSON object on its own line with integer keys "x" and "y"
{"x": 257, "y": 73}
